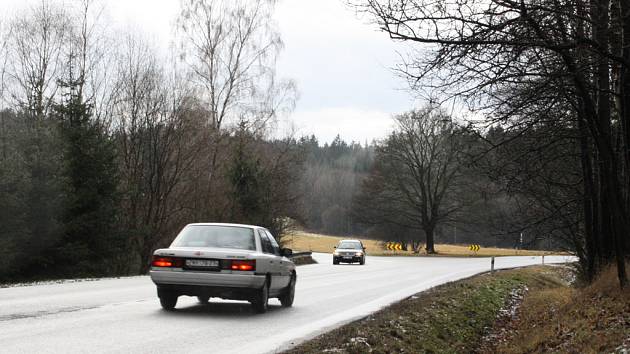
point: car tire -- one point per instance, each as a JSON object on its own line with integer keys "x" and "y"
{"x": 203, "y": 299}
{"x": 168, "y": 302}
{"x": 289, "y": 294}
{"x": 261, "y": 299}
{"x": 362, "y": 261}
{"x": 335, "y": 261}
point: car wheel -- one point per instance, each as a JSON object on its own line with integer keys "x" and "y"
{"x": 335, "y": 261}
{"x": 362, "y": 261}
{"x": 261, "y": 300}
{"x": 168, "y": 302}
{"x": 203, "y": 299}
{"x": 289, "y": 294}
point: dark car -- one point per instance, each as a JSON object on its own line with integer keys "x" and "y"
{"x": 349, "y": 251}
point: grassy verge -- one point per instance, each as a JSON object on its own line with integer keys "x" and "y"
{"x": 451, "y": 318}
{"x": 528, "y": 310}
{"x": 305, "y": 241}
{"x": 593, "y": 319}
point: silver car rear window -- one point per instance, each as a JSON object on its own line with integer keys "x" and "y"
{"x": 216, "y": 236}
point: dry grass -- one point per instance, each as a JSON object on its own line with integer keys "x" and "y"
{"x": 594, "y": 319}
{"x": 305, "y": 241}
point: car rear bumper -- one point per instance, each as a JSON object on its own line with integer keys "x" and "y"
{"x": 207, "y": 279}
{"x": 224, "y": 292}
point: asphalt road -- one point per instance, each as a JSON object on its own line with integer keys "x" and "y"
{"x": 124, "y": 316}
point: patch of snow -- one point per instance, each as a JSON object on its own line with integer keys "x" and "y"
{"x": 63, "y": 281}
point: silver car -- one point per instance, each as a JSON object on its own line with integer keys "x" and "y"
{"x": 229, "y": 261}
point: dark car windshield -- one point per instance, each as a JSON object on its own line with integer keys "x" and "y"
{"x": 216, "y": 236}
{"x": 350, "y": 245}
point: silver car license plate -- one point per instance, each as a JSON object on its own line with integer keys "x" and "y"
{"x": 202, "y": 263}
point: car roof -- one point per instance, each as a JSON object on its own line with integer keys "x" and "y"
{"x": 359, "y": 241}
{"x": 224, "y": 224}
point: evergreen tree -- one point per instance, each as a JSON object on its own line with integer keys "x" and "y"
{"x": 90, "y": 238}
{"x": 32, "y": 191}
{"x": 245, "y": 175}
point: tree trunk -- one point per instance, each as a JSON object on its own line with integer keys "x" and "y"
{"x": 613, "y": 224}
{"x": 146, "y": 258}
{"x": 590, "y": 248}
{"x": 624, "y": 85}
{"x": 589, "y": 215}
{"x": 429, "y": 233}
{"x": 416, "y": 245}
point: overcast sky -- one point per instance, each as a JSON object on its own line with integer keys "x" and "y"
{"x": 342, "y": 67}
{"x": 341, "y": 64}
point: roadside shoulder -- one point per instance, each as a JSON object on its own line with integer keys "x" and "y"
{"x": 453, "y": 317}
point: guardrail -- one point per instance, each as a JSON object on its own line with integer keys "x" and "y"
{"x": 301, "y": 258}
{"x": 301, "y": 254}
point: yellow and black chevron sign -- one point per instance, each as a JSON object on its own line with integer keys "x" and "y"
{"x": 394, "y": 246}
{"x": 474, "y": 248}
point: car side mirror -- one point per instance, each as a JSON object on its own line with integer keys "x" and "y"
{"x": 334, "y": 246}
{"x": 286, "y": 252}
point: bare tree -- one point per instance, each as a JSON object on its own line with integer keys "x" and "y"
{"x": 158, "y": 141}
{"x": 89, "y": 51}
{"x": 4, "y": 36}
{"x": 36, "y": 57}
{"x": 231, "y": 49}
{"x": 416, "y": 173}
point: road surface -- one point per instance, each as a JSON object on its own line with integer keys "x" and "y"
{"x": 124, "y": 315}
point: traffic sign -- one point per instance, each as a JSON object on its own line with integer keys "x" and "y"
{"x": 394, "y": 246}
{"x": 474, "y": 248}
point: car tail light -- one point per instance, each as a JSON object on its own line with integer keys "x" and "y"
{"x": 243, "y": 265}
{"x": 170, "y": 262}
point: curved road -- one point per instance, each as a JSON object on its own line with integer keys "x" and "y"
{"x": 124, "y": 316}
